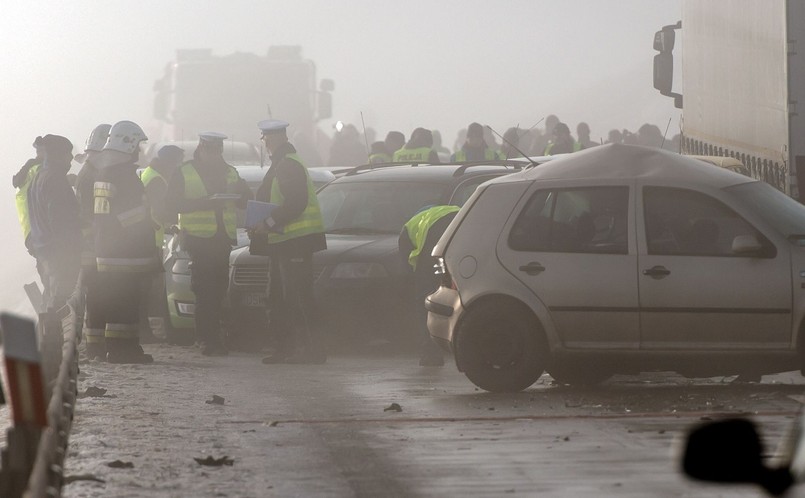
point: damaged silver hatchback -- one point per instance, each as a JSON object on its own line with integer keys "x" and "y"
{"x": 618, "y": 260}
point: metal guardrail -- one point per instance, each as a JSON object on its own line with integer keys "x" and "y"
{"x": 47, "y": 476}
{"x": 33, "y": 459}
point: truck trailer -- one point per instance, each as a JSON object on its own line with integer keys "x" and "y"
{"x": 743, "y": 77}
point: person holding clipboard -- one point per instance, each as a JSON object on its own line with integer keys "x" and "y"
{"x": 205, "y": 192}
{"x": 289, "y": 236}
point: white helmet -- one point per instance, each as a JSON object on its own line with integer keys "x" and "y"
{"x": 125, "y": 136}
{"x": 97, "y": 139}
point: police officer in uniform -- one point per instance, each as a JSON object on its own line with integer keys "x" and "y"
{"x": 290, "y": 236}
{"x": 124, "y": 242}
{"x": 419, "y": 148}
{"x": 475, "y": 148}
{"x": 417, "y": 240}
{"x": 55, "y": 237}
{"x": 205, "y": 192}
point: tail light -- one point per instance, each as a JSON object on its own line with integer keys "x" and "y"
{"x": 445, "y": 280}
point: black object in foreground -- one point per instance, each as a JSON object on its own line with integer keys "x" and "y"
{"x": 730, "y": 451}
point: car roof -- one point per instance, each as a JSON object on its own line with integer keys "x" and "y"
{"x": 445, "y": 173}
{"x": 630, "y": 162}
{"x": 254, "y": 173}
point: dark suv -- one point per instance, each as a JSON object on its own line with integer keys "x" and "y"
{"x": 363, "y": 287}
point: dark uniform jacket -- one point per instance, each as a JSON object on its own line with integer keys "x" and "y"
{"x": 124, "y": 228}
{"x": 290, "y": 175}
{"x": 53, "y": 211}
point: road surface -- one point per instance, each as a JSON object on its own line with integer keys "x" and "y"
{"x": 296, "y": 430}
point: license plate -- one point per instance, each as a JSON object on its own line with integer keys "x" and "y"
{"x": 253, "y": 300}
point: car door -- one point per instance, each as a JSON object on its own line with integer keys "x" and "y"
{"x": 573, "y": 247}
{"x": 695, "y": 292}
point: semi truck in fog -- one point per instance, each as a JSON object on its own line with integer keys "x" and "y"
{"x": 742, "y": 81}
{"x": 200, "y": 91}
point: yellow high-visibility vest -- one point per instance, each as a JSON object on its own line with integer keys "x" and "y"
{"x": 310, "y": 221}
{"x": 149, "y": 175}
{"x": 418, "y": 155}
{"x": 204, "y": 223}
{"x": 22, "y": 201}
{"x": 419, "y": 225}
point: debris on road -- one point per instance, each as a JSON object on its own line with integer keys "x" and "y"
{"x": 95, "y": 392}
{"x": 215, "y": 462}
{"x": 274, "y": 423}
{"x": 119, "y": 464}
{"x": 394, "y": 407}
{"x": 216, "y": 400}
{"x": 83, "y": 477}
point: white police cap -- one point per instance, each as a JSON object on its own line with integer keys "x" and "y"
{"x": 268, "y": 126}
{"x": 212, "y": 136}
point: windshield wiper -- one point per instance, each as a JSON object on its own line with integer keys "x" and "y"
{"x": 359, "y": 231}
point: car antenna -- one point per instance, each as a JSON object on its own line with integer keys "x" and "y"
{"x": 365, "y": 139}
{"x": 666, "y": 132}
{"x": 513, "y": 146}
{"x": 521, "y": 135}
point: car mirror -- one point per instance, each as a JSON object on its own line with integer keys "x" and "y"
{"x": 729, "y": 451}
{"x": 746, "y": 245}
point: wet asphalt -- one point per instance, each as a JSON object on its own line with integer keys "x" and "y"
{"x": 327, "y": 430}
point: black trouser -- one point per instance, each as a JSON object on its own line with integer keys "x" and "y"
{"x": 59, "y": 276}
{"x": 94, "y": 322}
{"x": 117, "y": 304}
{"x": 290, "y": 301}
{"x": 209, "y": 280}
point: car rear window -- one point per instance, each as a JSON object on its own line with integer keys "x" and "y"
{"x": 375, "y": 207}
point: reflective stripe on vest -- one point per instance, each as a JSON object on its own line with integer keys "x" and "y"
{"x": 418, "y": 227}
{"x": 22, "y": 201}
{"x": 204, "y": 223}
{"x": 489, "y": 154}
{"x": 308, "y": 222}
{"x": 149, "y": 175}
{"x": 420, "y": 154}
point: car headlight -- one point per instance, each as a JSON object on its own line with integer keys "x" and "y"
{"x": 359, "y": 270}
{"x": 181, "y": 267}
{"x": 185, "y": 309}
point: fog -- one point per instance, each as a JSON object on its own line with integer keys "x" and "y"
{"x": 68, "y": 66}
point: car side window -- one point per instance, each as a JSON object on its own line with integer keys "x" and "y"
{"x": 686, "y": 223}
{"x": 586, "y": 220}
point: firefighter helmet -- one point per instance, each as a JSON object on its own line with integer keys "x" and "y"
{"x": 97, "y": 139}
{"x": 125, "y": 136}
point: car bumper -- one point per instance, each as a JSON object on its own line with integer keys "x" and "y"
{"x": 444, "y": 312}
{"x": 181, "y": 301}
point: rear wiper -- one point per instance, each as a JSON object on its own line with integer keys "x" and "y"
{"x": 359, "y": 231}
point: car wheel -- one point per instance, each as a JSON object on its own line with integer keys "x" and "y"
{"x": 501, "y": 347}
{"x": 579, "y": 374}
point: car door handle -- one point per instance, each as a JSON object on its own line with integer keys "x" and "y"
{"x": 657, "y": 272}
{"x": 532, "y": 268}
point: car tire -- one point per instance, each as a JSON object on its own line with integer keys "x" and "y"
{"x": 501, "y": 347}
{"x": 578, "y": 374}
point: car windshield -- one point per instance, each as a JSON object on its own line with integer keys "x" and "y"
{"x": 783, "y": 213}
{"x": 375, "y": 207}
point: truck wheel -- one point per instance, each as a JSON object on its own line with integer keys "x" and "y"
{"x": 579, "y": 374}
{"x": 501, "y": 347}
